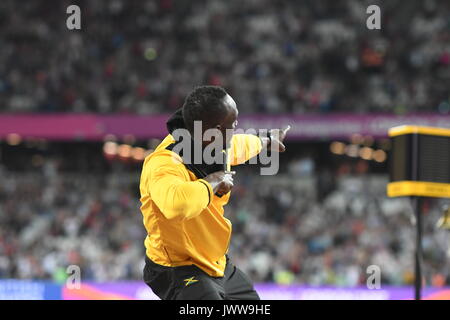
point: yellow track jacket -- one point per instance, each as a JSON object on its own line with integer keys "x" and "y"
{"x": 183, "y": 217}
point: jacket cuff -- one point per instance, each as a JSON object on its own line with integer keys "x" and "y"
{"x": 209, "y": 188}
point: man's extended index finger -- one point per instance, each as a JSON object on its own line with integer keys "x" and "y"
{"x": 287, "y": 129}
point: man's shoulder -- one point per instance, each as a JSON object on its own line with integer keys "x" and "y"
{"x": 163, "y": 154}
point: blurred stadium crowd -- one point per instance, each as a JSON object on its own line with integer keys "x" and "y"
{"x": 273, "y": 56}
{"x": 341, "y": 224}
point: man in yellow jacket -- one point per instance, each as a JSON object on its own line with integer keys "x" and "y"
{"x": 182, "y": 201}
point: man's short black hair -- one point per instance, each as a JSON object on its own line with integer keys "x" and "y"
{"x": 204, "y": 103}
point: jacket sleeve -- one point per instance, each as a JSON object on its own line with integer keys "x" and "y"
{"x": 243, "y": 148}
{"x": 175, "y": 196}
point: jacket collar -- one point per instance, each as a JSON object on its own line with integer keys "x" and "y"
{"x": 176, "y": 121}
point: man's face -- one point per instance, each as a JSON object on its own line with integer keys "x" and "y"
{"x": 230, "y": 121}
